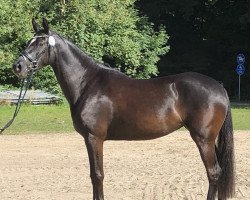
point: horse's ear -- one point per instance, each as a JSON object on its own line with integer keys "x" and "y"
{"x": 35, "y": 25}
{"x": 45, "y": 25}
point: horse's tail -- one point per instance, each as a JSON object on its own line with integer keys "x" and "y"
{"x": 225, "y": 155}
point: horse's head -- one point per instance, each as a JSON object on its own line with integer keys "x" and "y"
{"x": 37, "y": 53}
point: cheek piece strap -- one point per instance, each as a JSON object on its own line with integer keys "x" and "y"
{"x": 34, "y": 62}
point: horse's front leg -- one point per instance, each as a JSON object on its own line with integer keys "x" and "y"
{"x": 95, "y": 152}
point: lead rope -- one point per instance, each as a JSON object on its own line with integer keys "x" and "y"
{"x": 25, "y": 84}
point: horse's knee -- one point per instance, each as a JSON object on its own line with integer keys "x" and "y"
{"x": 97, "y": 177}
{"x": 214, "y": 174}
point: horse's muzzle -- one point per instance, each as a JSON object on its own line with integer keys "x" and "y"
{"x": 19, "y": 69}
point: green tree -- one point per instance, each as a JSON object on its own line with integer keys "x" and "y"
{"x": 15, "y": 31}
{"x": 110, "y": 30}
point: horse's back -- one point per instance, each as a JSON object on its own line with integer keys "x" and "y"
{"x": 191, "y": 88}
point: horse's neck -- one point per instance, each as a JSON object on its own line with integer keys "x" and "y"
{"x": 73, "y": 70}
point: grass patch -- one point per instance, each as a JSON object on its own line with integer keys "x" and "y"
{"x": 241, "y": 118}
{"x": 57, "y": 119}
{"x": 37, "y": 119}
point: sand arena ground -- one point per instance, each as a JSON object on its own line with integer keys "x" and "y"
{"x": 55, "y": 167}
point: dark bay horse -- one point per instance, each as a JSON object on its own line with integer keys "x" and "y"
{"x": 107, "y": 105}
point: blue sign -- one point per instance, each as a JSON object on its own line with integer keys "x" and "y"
{"x": 240, "y": 69}
{"x": 240, "y": 59}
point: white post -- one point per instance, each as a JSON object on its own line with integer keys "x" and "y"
{"x": 239, "y": 88}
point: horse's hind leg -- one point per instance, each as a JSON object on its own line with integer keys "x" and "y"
{"x": 208, "y": 154}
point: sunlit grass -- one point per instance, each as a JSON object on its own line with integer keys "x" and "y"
{"x": 37, "y": 119}
{"x": 241, "y": 118}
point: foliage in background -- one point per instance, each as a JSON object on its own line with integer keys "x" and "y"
{"x": 14, "y": 25}
{"x": 110, "y": 30}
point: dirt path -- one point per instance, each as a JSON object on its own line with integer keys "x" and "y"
{"x": 55, "y": 167}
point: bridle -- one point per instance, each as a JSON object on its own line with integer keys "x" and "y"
{"x": 26, "y": 57}
{"x": 34, "y": 62}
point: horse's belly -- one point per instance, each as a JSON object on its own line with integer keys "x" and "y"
{"x": 135, "y": 135}
{"x": 141, "y": 130}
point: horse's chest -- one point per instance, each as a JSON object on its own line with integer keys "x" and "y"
{"x": 94, "y": 116}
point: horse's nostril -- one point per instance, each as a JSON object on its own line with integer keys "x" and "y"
{"x": 17, "y": 68}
